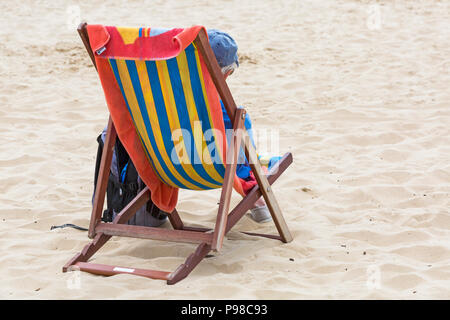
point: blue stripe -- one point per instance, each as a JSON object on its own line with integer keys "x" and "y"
{"x": 200, "y": 103}
{"x": 117, "y": 75}
{"x": 163, "y": 120}
{"x": 183, "y": 115}
{"x": 140, "y": 32}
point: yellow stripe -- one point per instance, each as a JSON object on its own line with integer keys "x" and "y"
{"x": 140, "y": 125}
{"x": 129, "y": 35}
{"x": 174, "y": 122}
{"x": 200, "y": 73}
{"x": 200, "y": 141}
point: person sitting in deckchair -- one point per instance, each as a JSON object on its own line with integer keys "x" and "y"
{"x": 225, "y": 50}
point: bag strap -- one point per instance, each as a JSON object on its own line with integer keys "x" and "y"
{"x": 98, "y": 159}
{"x": 122, "y": 157}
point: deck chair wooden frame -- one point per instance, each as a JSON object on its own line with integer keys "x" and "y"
{"x": 206, "y": 238}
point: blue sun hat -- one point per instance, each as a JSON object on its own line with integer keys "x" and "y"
{"x": 224, "y": 47}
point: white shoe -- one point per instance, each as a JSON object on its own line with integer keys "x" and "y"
{"x": 260, "y": 214}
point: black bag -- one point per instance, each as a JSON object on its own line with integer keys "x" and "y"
{"x": 124, "y": 184}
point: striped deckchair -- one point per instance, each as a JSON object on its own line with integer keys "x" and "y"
{"x": 163, "y": 95}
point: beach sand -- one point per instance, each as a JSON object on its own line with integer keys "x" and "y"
{"x": 358, "y": 91}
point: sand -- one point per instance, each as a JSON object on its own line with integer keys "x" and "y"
{"x": 358, "y": 91}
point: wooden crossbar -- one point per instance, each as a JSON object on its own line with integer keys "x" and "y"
{"x": 107, "y": 270}
{"x": 124, "y": 230}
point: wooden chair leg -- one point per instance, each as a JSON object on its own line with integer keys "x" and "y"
{"x": 227, "y": 188}
{"x": 266, "y": 190}
{"x": 191, "y": 262}
{"x": 103, "y": 176}
{"x": 110, "y": 140}
{"x": 175, "y": 220}
{"x": 242, "y": 207}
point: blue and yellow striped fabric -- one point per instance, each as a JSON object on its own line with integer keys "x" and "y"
{"x": 169, "y": 106}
